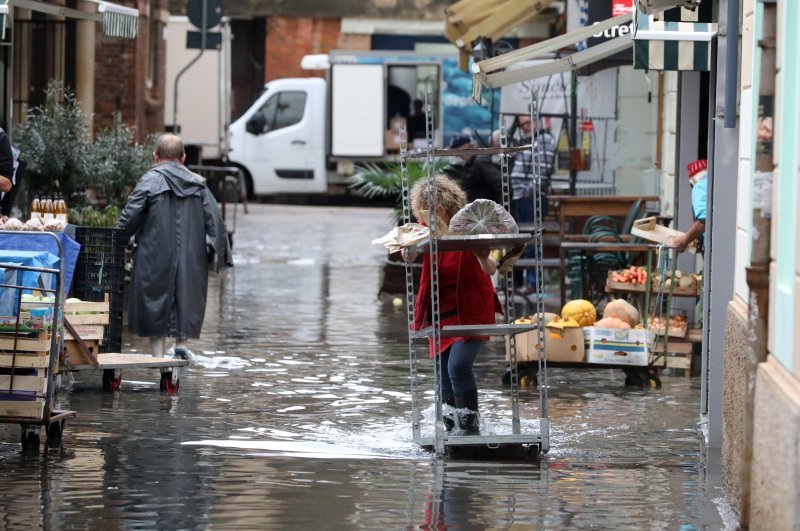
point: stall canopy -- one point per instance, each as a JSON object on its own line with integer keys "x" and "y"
{"x": 489, "y": 73}
{"x": 118, "y": 21}
{"x": 678, "y": 39}
{"x": 468, "y": 20}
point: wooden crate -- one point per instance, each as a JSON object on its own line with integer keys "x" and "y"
{"x": 31, "y": 352}
{"x": 87, "y": 313}
{"x": 626, "y": 287}
{"x": 31, "y": 409}
{"x": 75, "y": 356}
{"x": 86, "y": 332}
{"x": 33, "y": 383}
{"x": 650, "y": 230}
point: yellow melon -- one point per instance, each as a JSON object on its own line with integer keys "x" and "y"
{"x": 582, "y": 311}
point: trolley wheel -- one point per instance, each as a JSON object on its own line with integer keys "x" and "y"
{"x": 55, "y": 433}
{"x": 111, "y": 382}
{"x": 654, "y": 380}
{"x": 166, "y": 384}
{"x": 633, "y": 378}
{"x": 30, "y": 441}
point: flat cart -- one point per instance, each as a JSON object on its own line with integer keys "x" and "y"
{"x": 29, "y": 346}
{"x": 84, "y": 324}
{"x": 532, "y": 440}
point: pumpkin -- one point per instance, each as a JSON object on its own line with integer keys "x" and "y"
{"x": 622, "y": 310}
{"x": 548, "y": 317}
{"x": 560, "y": 324}
{"x": 581, "y": 311}
{"x": 612, "y": 323}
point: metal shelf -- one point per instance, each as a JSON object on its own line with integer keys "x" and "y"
{"x": 477, "y": 242}
{"x": 476, "y": 330}
{"x": 446, "y": 152}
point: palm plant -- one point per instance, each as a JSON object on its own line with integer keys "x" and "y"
{"x": 374, "y": 181}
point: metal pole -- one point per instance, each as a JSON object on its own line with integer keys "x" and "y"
{"x": 573, "y": 132}
{"x": 731, "y": 64}
{"x": 203, "y": 32}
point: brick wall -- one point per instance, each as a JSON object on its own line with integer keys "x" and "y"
{"x": 289, "y": 39}
{"x": 121, "y": 74}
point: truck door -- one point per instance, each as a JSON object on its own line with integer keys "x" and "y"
{"x": 278, "y": 144}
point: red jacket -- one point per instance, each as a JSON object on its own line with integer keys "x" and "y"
{"x": 466, "y": 294}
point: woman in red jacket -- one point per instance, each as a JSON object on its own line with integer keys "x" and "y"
{"x": 466, "y": 297}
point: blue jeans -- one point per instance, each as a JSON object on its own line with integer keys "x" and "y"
{"x": 457, "y": 375}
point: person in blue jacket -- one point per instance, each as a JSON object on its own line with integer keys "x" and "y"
{"x": 697, "y": 177}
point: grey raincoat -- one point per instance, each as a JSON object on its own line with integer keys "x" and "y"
{"x": 171, "y": 211}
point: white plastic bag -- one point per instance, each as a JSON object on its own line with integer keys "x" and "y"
{"x": 483, "y": 216}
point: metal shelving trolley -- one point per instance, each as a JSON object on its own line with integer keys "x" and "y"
{"x": 535, "y": 438}
{"x": 30, "y": 340}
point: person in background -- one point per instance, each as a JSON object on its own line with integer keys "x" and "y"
{"x": 697, "y": 179}
{"x": 171, "y": 212}
{"x": 6, "y": 167}
{"x": 466, "y": 297}
{"x": 478, "y": 176}
{"x": 416, "y": 122}
{"x": 522, "y": 184}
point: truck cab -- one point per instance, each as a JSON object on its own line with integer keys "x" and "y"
{"x": 281, "y": 139}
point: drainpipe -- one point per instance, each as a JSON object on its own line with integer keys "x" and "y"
{"x": 758, "y": 272}
{"x": 731, "y": 64}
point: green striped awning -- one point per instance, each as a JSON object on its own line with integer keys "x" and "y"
{"x": 672, "y": 45}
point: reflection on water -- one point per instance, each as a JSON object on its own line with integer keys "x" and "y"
{"x": 296, "y": 413}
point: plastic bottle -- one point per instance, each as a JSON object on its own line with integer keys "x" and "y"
{"x": 36, "y": 208}
{"x": 48, "y": 213}
{"x": 61, "y": 209}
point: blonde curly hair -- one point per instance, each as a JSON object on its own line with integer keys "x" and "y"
{"x": 449, "y": 196}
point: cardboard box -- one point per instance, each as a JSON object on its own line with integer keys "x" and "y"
{"x": 567, "y": 345}
{"x": 617, "y": 347}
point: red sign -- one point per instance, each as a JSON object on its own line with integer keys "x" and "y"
{"x": 587, "y": 126}
{"x": 621, "y": 7}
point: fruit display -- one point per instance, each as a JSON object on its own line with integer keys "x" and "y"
{"x": 631, "y": 275}
{"x": 622, "y": 310}
{"x": 580, "y": 310}
{"x": 677, "y": 325}
{"x": 682, "y": 280}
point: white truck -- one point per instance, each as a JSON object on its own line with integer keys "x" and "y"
{"x": 304, "y": 135}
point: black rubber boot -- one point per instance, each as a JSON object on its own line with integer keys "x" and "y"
{"x": 467, "y": 414}
{"x": 449, "y": 423}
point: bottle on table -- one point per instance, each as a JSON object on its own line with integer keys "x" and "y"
{"x": 36, "y": 208}
{"x": 61, "y": 209}
{"x": 48, "y": 212}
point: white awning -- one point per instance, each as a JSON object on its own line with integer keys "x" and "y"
{"x": 118, "y": 21}
{"x": 485, "y": 73}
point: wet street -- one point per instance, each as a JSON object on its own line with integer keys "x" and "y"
{"x": 296, "y": 415}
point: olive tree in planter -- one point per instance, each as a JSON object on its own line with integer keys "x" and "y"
{"x": 94, "y": 175}
{"x": 54, "y": 143}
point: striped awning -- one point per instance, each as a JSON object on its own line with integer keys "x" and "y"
{"x": 669, "y": 44}
{"x": 118, "y": 21}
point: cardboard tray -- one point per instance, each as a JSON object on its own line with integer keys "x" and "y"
{"x": 659, "y": 331}
{"x": 650, "y": 230}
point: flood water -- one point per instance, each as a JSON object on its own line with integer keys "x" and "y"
{"x": 296, "y": 414}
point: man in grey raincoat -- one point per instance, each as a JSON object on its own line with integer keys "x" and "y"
{"x": 171, "y": 211}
